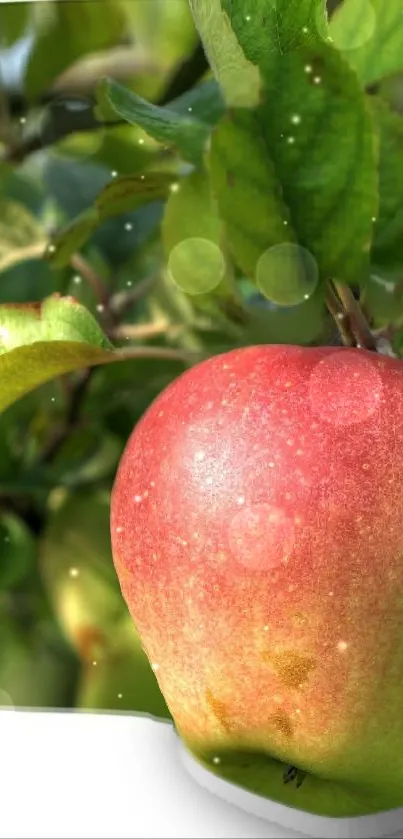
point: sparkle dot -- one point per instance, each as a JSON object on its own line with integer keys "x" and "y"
{"x": 190, "y": 109}
{"x": 290, "y": 140}
{"x": 77, "y": 279}
{"x": 94, "y": 663}
{"x": 305, "y": 29}
{"x": 155, "y": 667}
{"x": 119, "y": 530}
{"x": 114, "y": 173}
{"x": 373, "y": 218}
{"x": 317, "y": 80}
{"x": 138, "y": 498}
{"x": 23, "y": 120}
{"x": 174, "y": 187}
{"x": 52, "y": 248}
{"x": 120, "y": 695}
{"x": 142, "y": 177}
{"x": 129, "y": 283}
{"x": 141, "y": 141}
{"x": 308, "y": 68}
{"x": 247, "y": 18}
{"x": 100, "y": 307}
{"x": 296, "y": 119}
{"x": 216, "y": 760}
{"x": 342, "y": 646}
{"x": 74, "y": 572}
{"x": 128, "y": 226}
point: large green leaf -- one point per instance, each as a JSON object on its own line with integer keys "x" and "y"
{"x": 387, "y": 247}
{"x": 14, "y": 18}
{"x": 70, "y": 30}
{"x": 370, "y": 33}
{"x": 185, "y": 133}
{"x": 298, "y": 166}
{"x": 44, "y": 340}
{"x": 128, "y": 192}
{"x": 242, "y": 37}
{"x": 204, "y": 102}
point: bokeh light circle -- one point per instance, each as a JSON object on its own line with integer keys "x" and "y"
{"x": 353, "y": 24}
{"x": 196, "y": 265}
{"x": 287, "y": 274}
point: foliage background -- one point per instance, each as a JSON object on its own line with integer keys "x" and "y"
{"x": 66, "y": 639}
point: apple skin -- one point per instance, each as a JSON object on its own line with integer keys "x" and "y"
{"x": 257, "y": 533}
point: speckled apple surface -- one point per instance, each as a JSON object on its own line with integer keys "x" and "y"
{"x": 257, "y": 532}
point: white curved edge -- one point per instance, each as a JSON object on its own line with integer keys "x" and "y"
{"x": 387, "y": 823}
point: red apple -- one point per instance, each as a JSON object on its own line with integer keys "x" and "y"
{"x": 257, "y": 532}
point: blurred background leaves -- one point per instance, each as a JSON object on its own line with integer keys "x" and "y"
{"x": 116, "y": 149}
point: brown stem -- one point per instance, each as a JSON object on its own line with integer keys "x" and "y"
{"x": 80, "y": 264}
{"x": 142, "y": 331}
{"x": 336, "y": 309}
{"x": 358, "y": 324}
{"x": 122, "y": 301}
{"x": 351, "y": 321}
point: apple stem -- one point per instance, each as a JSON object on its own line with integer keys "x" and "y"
{"x": 351, "y": 321}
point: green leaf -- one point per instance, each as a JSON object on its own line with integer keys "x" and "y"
{"x": 128, "y": 192}
{"x": 186, "y": 134}
{"x": 243, "y": 37}
{"x": 295, "y": 168}
{"x": 204, "y": 101}
{"x": 40, "y": 341}
{"x": 265, "y": 28}
{"x": 78, "y": 573}
{"x": 191, "y": 236}
{"x": 190, "y": 211}
{"x": 370, "y": 34}
{"x": 21, "y": 235}
{"x": 72, "y": 237}
{"x": 17, "y": 550}
{"x": 14, "y": 18}
{"x": 70, "y": 30}
{"x": 387, "y": 248}
{"x": 44, "y": 340}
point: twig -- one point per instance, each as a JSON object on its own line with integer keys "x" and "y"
{"x": 83, "y": 267}
{"x": 60, "y": 122}
{"x": 34, "y": 251}
{"x": 122, "y": 301}
{"x": 142, "y": 331}
{"x": 163, "y": 353}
